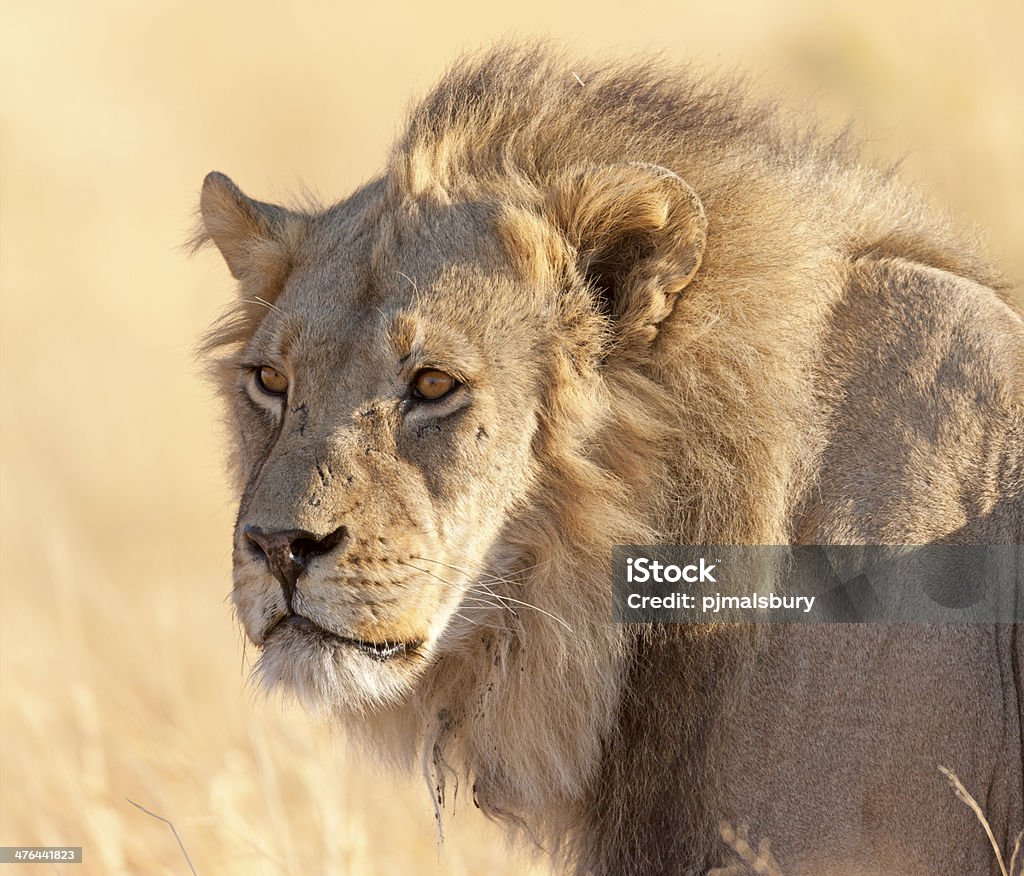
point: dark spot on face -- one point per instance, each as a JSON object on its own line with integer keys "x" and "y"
{"x": 428, "y": 429}
{"x": 302, "y": 412}
{"x": 481, "y": 433}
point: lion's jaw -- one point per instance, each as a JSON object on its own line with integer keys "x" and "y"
{"x": 358, "y": 631}
{"x": 343, "y": 645}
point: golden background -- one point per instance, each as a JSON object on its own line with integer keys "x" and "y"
{"x": 122, "y": 674}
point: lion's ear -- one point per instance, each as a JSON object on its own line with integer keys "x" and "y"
{"x": 638, "y": 233}
{"x": 257, "y": 240}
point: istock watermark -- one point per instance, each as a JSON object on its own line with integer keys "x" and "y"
{"x": 912, "y": 584}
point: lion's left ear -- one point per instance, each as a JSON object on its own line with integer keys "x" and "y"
{"x": 638, "y": 232}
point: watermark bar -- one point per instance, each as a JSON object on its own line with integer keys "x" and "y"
{"x": 898, "y": 584}
{"x": 40, "y": 854}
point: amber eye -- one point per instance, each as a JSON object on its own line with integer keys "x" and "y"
{"x": 433, "y": 384}
{"x": 271, "y": 381}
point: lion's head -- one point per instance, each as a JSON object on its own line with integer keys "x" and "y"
{"x": 410, "y": 371}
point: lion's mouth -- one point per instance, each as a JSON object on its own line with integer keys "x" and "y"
{"x": 381, "y": 651}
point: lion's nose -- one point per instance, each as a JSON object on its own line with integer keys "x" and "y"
{"x": 288, "y": 551}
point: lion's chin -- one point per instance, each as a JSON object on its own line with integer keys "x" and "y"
{"x": 329, "y": 673}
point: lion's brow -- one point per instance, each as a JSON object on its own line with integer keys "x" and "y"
{"x": 284, "y": 335}
{"x": 405, "y": 334}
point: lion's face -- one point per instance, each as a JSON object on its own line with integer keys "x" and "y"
{"x": 385, "y": 422}
{"x": 399, "y": 388}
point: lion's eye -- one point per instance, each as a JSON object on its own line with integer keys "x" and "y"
{"x": 433, "y": 384}
{"x": 271, "y": 381}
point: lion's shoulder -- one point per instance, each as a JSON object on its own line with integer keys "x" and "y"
{"x": 922, "y": 378}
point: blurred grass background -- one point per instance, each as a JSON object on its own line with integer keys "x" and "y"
{"x": 122, "y": 674}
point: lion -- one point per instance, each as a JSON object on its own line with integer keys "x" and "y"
{"x": 611, "y": 302}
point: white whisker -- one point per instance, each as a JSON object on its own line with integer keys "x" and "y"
{"x": 469, "y": 590}
{"x": 268, "y": 304}
{"x": 503, "y": 598}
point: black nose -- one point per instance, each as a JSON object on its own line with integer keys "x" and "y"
{"x": 289, "y": 551}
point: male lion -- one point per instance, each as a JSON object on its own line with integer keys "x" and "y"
{"x": 598, "y": 304}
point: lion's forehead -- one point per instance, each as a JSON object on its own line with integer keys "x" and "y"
{"x": 383, "y": 251}
{"x": 350, "y": 314}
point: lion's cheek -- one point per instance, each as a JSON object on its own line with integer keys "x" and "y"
{"x": 485, "y": 476}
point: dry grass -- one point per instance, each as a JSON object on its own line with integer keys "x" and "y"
{"x": 122, "y": 675}
{"x": 965, "y": 797}
{"x": 751, "y": 861}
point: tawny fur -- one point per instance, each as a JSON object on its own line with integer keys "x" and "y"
{"x": 683, "y": 319}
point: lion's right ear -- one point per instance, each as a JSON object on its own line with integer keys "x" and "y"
{"x": 257, "y": 240}
{"x": 638, "y": 234}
